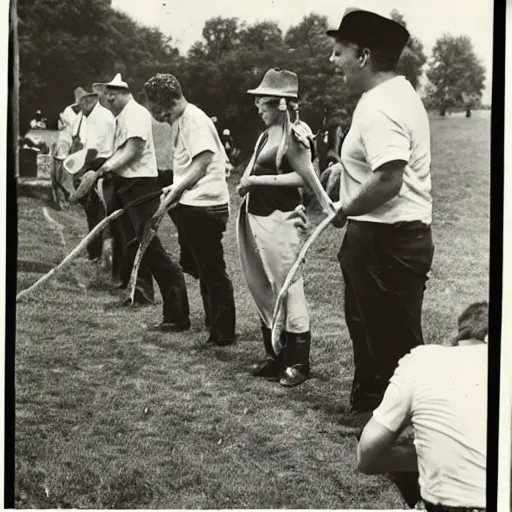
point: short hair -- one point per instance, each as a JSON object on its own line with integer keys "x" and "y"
{"x": 473, "y": 322}
{"x": 380, "y": 61}
{"x": 163, "y": 89}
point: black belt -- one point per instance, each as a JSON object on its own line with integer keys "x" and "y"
{"x": 402, "y": 225}
{"x": 445, "y": 508}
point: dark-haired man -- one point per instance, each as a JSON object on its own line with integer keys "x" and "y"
{"x": 201, "y": 195}
{"x": 385, "y": 187}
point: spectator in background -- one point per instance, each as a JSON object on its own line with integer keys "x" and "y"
{"x": 447, "y": 406}
{"x": 39, "y": 122}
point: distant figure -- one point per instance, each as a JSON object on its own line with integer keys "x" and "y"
{"x": 39, "y": 122}
{"x": 227, "y": 141}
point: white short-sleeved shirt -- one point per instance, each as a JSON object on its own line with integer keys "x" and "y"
{"x": 443, "y": 392}
{"x": 390, "y": 123}
{"x": 134, "y": 121}
{"x": 97, "y": 131}
{"x": 192, "y": 133}
{"x": 67, "y": 117}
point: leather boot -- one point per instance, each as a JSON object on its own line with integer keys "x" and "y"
{"x": 296, "y": 359}
{"x": 273, "y": 366}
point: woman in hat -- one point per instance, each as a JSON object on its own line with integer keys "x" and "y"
{"x": 270, "y": 224}
{"x": 385, "y": 192}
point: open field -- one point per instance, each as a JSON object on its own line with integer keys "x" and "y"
{"x": 108, "y": 416}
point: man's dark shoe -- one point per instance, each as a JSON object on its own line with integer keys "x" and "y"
{"x": 221, "y": 342}
{"x": 168, "y": 327}
{"x": 126, "y": 304}
{"x": 270, "y": 368}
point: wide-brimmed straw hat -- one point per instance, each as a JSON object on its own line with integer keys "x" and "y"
{"x": 115, "y": 83}
{"x": 81, "y": 93}
{"x": 278, "y": 82}
{"x": 370, "y": 30}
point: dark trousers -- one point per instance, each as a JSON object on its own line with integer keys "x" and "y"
{"x": 156, "y": 262}
{"x": 200, "y": 231}
{"x": 165, "y": 177}
{"x": 94, "y": 211}
{"x": 385, "y": 269}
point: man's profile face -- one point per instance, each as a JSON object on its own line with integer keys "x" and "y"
{"x": 346, "y": 63}
{"x": 160, "y": 112}
{"x": 115, "y": 99}
{"x": 87, "y": 104}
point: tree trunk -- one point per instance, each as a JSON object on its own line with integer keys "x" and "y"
{"x": 468, "y": 112}
{"x": 14, "y": 50}
{"x": 442, "y": 112}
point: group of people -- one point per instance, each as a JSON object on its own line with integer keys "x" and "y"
{"x": 383, "y": 199}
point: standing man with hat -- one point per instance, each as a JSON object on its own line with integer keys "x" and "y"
{"x": 94, "y": 130}
{"x": 385, "y": 193}
{"x": 130, "y": 174}
{"x": 201, "y": 200}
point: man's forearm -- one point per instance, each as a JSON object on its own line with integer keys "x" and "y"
{"x": 397, "y": 458}
{"x": 121, "y": 158}
{"x": 197, "y": 171}
{"x": 374, "y": 193}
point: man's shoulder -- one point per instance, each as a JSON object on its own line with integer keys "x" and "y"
{"x": 194, "y": 114}
{"x": 104, "y": 113}
{"x": 422, "y": 355}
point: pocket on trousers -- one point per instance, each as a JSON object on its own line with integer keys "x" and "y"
{"x": 218, "y": 212}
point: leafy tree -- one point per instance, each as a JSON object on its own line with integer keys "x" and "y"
{"x": 64, "y": 44}
{"x": 413, "y": 58}
{"x": 454, "y": 70}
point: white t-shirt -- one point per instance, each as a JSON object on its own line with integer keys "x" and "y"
{"x": 443, "y": 391}
{"x": 390, "y": 123}
{"x": 96, "y": 130}
{"x": 193, "y": 133}
{"x": 67, "y": 118}
{"x": 134, "y": 121}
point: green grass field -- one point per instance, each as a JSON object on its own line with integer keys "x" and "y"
{"x": 108, "y": 416}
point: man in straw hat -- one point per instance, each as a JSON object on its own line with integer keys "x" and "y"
{"x": 94, "y": 130}
{"x": 447, "y": 408}
{"x": 385, "y": 193}
{"x": 130, "y": 174}
{"x": 201, "y": 200}
{"x": 62, "y": 183}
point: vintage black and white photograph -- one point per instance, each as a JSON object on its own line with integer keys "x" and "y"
{"x": 253, "y": 251}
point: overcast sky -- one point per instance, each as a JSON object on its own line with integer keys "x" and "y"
{"x": 427, "y": 20}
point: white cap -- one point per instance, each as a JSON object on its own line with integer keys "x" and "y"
{"x": 226, "y": 132}
{"x": 116, "y": 82}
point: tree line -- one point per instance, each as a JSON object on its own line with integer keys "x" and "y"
{"x": 64, "y": 44}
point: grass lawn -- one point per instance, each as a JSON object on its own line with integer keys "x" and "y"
{"x": 108, "y": 416}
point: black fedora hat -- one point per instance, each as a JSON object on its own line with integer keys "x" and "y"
{"x": 370, "y": 30}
